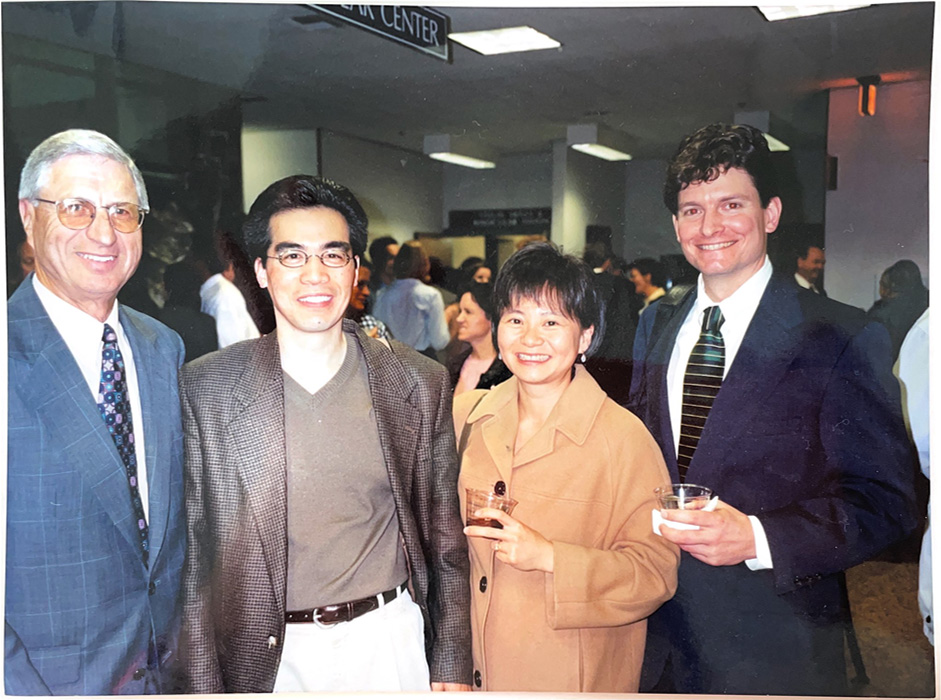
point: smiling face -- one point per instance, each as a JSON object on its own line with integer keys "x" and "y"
{"x": 472, "y": 323}
{"x": 361, "y": 293}
{"x": 811, "y": 266}
{"x": 641, "y": 282}
{"x": 312, "y": 298}
{"x": 723, "y": 230}
{"x": 89, "y": 266}
{"x": 539, "y": 344}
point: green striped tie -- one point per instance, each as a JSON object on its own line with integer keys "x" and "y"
{"x": 701, "y": 383}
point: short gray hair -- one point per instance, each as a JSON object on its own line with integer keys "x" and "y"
{"x": 75, "y": 142}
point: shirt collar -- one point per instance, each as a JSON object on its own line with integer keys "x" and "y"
{"x": 69, "y": 319}
{"x": 743, "y": 302}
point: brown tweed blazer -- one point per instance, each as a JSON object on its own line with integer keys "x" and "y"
{"x": 234, "y": 578}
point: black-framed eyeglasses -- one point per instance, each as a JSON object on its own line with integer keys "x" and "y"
{"x": 77, "y": 213}
{"x": 299, "y": 258}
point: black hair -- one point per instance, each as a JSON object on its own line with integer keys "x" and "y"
{"x": 302, "y": 192}
{"x": 648, "y": 266}
{"x": 707, "y": 153}
{"x": 541, "y": 272}
{"x": 379, "y": 251}
{"x": 902, "y": 278}
{"x": 482, "y": 294}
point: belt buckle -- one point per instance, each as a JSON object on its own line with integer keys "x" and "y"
{"x": 331, "y": 608}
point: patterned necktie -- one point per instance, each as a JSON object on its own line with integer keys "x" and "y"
{"x": 114, "y": 403}
{"x": 701, "y": 383}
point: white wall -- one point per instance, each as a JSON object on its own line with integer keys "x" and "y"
{"x": 585, "y": 191}
{"x": 518, "y": 182}
{"x": 400, "y": 190}
{"x": 648, "y": 227}
{"x": 879, "y": 212}
{"x": 271, "y": 154}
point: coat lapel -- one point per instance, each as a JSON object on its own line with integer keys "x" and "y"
{"x": 155, "y": 376}
{"x": 55, "y": 388}
{"x": 257, "y": 431}
{"x": 667, "y": 327}
{"x": 768, "y": 348}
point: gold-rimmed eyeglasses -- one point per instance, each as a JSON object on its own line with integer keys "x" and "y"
{"x": 299, "y": 258}
{"x": 77, "y": 213}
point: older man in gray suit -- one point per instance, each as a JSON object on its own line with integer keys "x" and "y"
{"x": 326, "y": 550}
{"x": 95, "y": 536}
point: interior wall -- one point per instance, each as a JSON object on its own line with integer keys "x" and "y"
{"x": 521, "y": 181}
{"x": 648, "y": 227}
{"x": 400, "y": 190}
{"x": 271, "y": 154}
{"x": 879, "y": 212}
{"x": 587, "y": 191}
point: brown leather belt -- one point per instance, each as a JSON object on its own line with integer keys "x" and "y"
{"x": 343, "y": 612}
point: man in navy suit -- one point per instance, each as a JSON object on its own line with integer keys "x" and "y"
{"x": 804, "y": 443}
{"x": 95, "y": 531}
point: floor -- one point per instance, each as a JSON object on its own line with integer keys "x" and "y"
{"x": 899, "y": 659}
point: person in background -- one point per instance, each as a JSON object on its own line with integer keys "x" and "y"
{"x": 913, "y": 373}
{"x": 95, "y": 534}
{"x": 325, "y": 551}
{"x": 358, "y": 309}
{"x": 222, "y": 300}
{"x": 181, "y": 310}
{"x": 477, "y": 367}
{"x": 902, "y": 299}
{"x": 413, "y": 311}
{"x": 783, "y": 403}
{"x": 811, "y": 261}
{"x": 562, "y": 590}
{"x": 650, "y": 278}
{"x": 382, "y": 252}
{"x": 474, "y": 269}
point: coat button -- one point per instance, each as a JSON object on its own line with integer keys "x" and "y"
{"x": 138, "y": 674}
{"x": 483, "y": 584}
{"x": 272, "y": 642}
{"x": 152, "y": 588}
{"x": 477, "y": 679}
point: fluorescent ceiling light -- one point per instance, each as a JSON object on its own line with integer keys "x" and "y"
{"x": 507, "y": 40}
{"x": 775, "y": 144}
{"x": 466, "y": 161}
{"x": 774, "y": 13}
{"x": 599, "y": 151}
{"x": 459, "y": 150}
{"x": 598, "y": 141}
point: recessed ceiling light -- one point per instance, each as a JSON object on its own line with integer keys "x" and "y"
{"x": 466, "y": 161}
{"x": 506, "y": 40}
{"x": 599, "y": 151}
{"x": 774, "y": 13}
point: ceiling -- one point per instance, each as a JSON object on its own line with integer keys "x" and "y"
{"x": 654, "y": 73}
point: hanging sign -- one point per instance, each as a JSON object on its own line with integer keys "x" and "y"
{"x": 421, "y": 28}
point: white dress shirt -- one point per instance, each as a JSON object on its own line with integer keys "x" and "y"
{"x": 737, "y": 310}
{"x": 82, "y": 334}
{"x": 222, "y": 300}
{"x": 805, "y": 283}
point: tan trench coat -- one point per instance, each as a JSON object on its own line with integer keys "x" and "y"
{"x": 585, "y": 481}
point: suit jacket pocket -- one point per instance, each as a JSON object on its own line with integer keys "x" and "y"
{"x": 58, "y": 666}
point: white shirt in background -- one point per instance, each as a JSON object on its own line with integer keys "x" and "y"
{"x": 224, "y": 302}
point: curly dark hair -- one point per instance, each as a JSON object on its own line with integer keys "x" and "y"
{"x": 707, "y": 153}
{"x": 302, "y": 192}
{"x": 540, "y": 271}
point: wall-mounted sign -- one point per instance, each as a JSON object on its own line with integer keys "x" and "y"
{"x": 421, "y": 28}
{"x": 483, "y": 221}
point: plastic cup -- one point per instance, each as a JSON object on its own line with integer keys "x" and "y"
{"x": 477, "y": 499}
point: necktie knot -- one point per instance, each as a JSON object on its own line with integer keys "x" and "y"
{"x": 712, "y": 320}
{"x": 109, "y": 337}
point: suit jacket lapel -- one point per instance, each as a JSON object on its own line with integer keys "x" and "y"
{"x": 670, "y": 319}
{"x": 398, "y": 420}
{"x": 154, "y": 376}
{"x": 768, "y": 348}
{"x": 58, "y": 392}
{"x": 261, "y": 460}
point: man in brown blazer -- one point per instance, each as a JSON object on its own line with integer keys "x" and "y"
{"x": 325, "y": 542}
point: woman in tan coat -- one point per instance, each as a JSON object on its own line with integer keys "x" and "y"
{"x": 560, "y": 594}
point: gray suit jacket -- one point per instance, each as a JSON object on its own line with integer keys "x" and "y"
{"x": 84, "y": 616}
{"x": 236, "y": 480}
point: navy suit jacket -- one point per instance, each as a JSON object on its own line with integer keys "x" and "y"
{"x": 806, "y": 434}
{"x": 83, "y": 615}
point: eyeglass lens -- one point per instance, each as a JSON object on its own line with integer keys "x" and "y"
{"x": 80, "y": 213}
